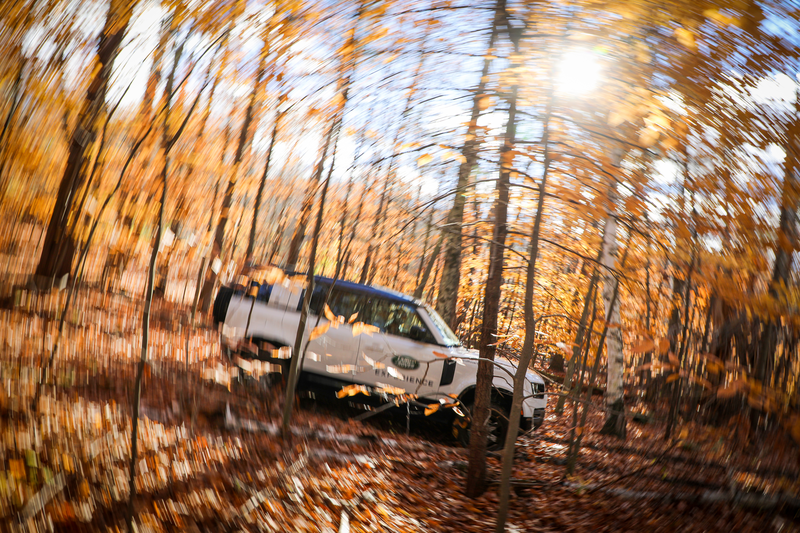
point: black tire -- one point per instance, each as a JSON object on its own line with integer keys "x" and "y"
{"x": 498, "y": 426}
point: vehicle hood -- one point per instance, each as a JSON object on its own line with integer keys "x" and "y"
{"x": 530, "y": 375}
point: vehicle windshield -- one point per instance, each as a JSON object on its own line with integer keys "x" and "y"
{"x": 449, "y": 337}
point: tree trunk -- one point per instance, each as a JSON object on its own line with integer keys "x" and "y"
{"x": 447, "y": 301}
{"x": 615, "y": 414}
{"x": 227, "y": 200}
{"x": 308, "y": 203}
{"x": 143, "y": 359}
{"x": 299, "y": 351}
{"x": 421, "y": 265}
{"x": 575, "y": 392}
{"x": 476, "y": 473}
{"x": 167, "y": 143}
{"x": 257, "y": 206}
{"x": 278, "y": 234}
{"x": 579, "y": 340}
{"x": 354, "y": 227}
{"x": 349, "y": 65}
{"x": 527, "y": 356}
{"x": 375, "y": 225}
{"x": 427, "y": 273}
{"x": 162, "y": 272}
{"x": 58, "y": 248}
{"x": 578, "y": 429}
{"x": 676, "y": 386}
{"x": 648, "y": 356}
{"x": 14, "y": 102}
{"x": 787, "y": 243}
{"x": 343, "y": 250}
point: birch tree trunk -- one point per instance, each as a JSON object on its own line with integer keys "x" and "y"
{"x": 615, "y": 415}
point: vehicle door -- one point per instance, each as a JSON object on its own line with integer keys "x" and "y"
{"x": 334, "y": 352}
{"x": 401, "y": 353}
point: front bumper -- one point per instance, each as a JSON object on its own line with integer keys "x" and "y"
{"x": 526, "y": 423}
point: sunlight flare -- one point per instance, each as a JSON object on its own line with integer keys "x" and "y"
{"x": 578, "y": 73}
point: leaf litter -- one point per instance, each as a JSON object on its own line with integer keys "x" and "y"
{"x": 211, "y": 458}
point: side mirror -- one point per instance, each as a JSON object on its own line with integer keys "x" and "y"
{"x": 418, "y": 333}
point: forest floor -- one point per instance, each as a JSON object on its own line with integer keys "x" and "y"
{"x": 210, "y": 458}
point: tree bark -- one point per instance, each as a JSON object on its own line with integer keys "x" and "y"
{"x": 578, "y": 429}
{"x": 343, "y": 250}
{"x": 354, "y": 227}
{"x": 14, "y": 102}
{"x": 615, "y": 414}
{"x": 418, "y": 292}
{"x": 579, "y": 340}
{"x": 58, "y": 248}
{"x": 787, "y": 243}
{"x": 257, "y": 206}
{"x": 349, "y": 65}
{"x": 365, "y": 269}
{"x": 476, "y": 473}
{"x": 421, "y": 265}
{"x": 143, "y": 359}
{"x": 308, "y": 203}
{"x": 447, "y": 301}
{"x": 227, "y": 199}
{"x": 167, "y": 143}
{"x": 299, "y": 351}
{"x": 527, "y": 356}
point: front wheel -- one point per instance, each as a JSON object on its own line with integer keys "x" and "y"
{"x": 497, "y": 427}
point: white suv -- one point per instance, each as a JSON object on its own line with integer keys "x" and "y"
{"x": 405, "y": 345}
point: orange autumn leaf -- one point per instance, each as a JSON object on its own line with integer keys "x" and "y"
{"x": 646, "y": 345}
{"x": 361, "y": 327}
{"x": 319, "y": 331}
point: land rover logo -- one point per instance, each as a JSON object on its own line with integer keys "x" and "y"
{"x": 405, "y": 362}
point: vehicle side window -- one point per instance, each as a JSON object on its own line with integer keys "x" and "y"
{"x": 345, "y": 303}
{"x": 396, "y": 318}
{"x": 264, "y": 292}
{"x": 317, "y": 298}
{"x": 417, "y": 321}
